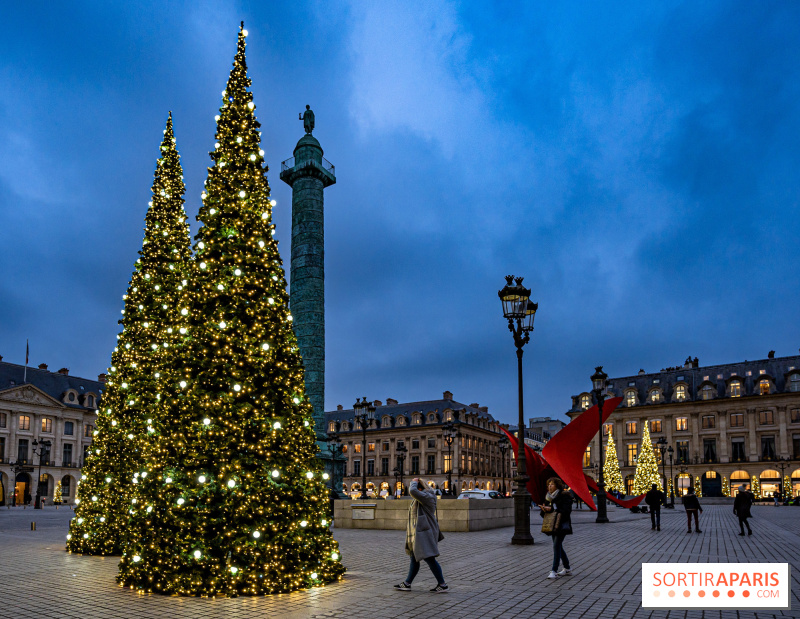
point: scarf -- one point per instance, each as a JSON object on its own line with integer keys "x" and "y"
{"x": 552, "y": 497}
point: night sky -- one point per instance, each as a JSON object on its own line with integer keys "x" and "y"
{"x": 637, "y": 164}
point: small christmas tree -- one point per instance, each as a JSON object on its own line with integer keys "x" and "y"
{"x": 787, "y": 487}
{"x": 670, "y": 488}
{"x": 231, "y": 499}
{"x": 698, "y": 487}
{"x": 726, "y": 487}
{"x": 57, "y": 494}
{"x": 611, "y": 474}
{"x": 646, "y": 466}
{"x": 755, "y": 487}
{"x": 150, "y": 328}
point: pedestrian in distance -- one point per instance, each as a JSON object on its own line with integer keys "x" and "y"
{"x": 692, "y": 505}
{"x": 741, "y": 508}
{"x": 655, "y": 498}
{"x": 423, "y": 536}
{"x": 776, "y": 496}
{"x": 558, "y": 500}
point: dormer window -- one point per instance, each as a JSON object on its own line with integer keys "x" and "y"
{"x": 90, "y": 401}
{"x": 630, "y": 397}
{"x": 71, "y": 397}
{"x": 432, "y": 418}
{"x": 794, "y": 382}
{"x": 416, "y": 419}
{"x": 655, "y": 396}
{"x": 707, "y": 392}
{"x": 401, "y": 421}
{"x": 386, "y": 422}
{"x": 448, "y": 416}
{"x": 680, "y": 393}
{"x": 763, "y": 386}
{"x": 586, "y": 402}
{"x": 736, "y": 388}
{"x": 332, "y": 426}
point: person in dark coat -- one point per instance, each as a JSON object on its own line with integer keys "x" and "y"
{"x": 559, "y": 500}
{"x": 654, "y": 498}
{"x": 692, "y": 505}
{"x": 741, "y": 508}
{"x": 422, "y": 536}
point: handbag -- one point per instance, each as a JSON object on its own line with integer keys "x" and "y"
{"x": 551, "y": 522}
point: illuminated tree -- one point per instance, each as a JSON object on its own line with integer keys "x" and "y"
{"x": 670, "y": 488}
{"x": 726, "y": 487}
{"x": 698, "y": 487}
{"x": 231, "y": 498}
{"x": 611, "y": 474}
{"x": 787, "y": 487}
{"x": 755, "y": 486}
{"x": 150, "y": 328}
{"x": 646, "y": 466}
{"x": 57, "y": 494}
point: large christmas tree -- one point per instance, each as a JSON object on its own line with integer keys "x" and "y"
{"x": 151, "y": 326}
{"x": 646, "y": 466}
{"x": 611, "y": 473}
{"x": 231, "y": 498}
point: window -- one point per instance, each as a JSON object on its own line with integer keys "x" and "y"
{"x": 737, "y": 420}
{"x": 385, "y": 446}
{"x": 431, "y": 464}
{"x": 24, "y": 422}
{"x": 736, "y": 388}
{"x": 683, "y": 452}
{"x": 794, "y": 382}
{"x": 681, "y": 424}
{"x": 795, "y": 415}
{"x": 680, "y": 393}
{"x": 415, "y": 465}
{"x": 709, "y": 450}
{"x": 356, "y": 468}
{"x": 708, "y": 422}
{"x": 737, "y": 450}
{"x": 448, "y": 460}
{"x": 85, "y": 453}
{"x": 2, "y": 420}
{"x": 633, "y": 451}
{"x": 607, "y": 428}
{"x": 2, "y": 448}
{"x": 384, "y": 466}
{"x": 332, "y": 426}
{"x": 67, "y": 454}
{"x": 796, "y": 445}
{"x": 629, "y": 484}
{"x": 766, "y": 418}
{"x": 763, "y": 386}
{"x": 586, "y": 402}
{"x": 432, "y": 418}
{"x": 401, "y": 444}
{"x": 22, "y": 451}
{"x": 90, "y": 401}
{"x": 448, "y": 416}
{"x": 655, "y": 395}
{"x": 630, "y": 398}
{"x": 370, "y": 446}
{"x": 87, "y": 430}
{"x": 655, "y": 425}
{"x": 707, "y": 392}
{"x": 431, "y": 442}
{"x": 587, "y": 457}
{"x": 344, "y": 449}
{"x": 370, "y": 467}
{"x": 65, "y": 486}
{"x": 71, "y": 397}
{"x": 767, "y": 447}
{"x": 414, "y": 443}
{"x": 357, "y": 448}
{"x": 69, "y": 428}
{"x": 47, "y": 425}
{"x": 630, "y": 427}
{"x": 417, "y": 419}
{"x": 401, "y": 421}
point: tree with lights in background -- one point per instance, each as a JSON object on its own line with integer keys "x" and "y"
{"x": 611, "y": 472}
{"x": 646, "y": 466}
{"x": 231, "y": 498}
{"x": 151, "y": 329}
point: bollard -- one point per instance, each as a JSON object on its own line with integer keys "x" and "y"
{"x": 33, "y": 526}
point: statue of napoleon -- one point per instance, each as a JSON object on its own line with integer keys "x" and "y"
{"x": 308, "y": 119}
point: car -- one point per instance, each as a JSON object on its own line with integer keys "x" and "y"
{"x": 480, "y": 494}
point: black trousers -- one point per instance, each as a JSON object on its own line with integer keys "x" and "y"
{"x": 743, "y": 523}
{"x": 655, "y": 516}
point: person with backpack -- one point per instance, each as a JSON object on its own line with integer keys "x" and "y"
{"x": 692, "y": 505}
{"x": 558, "y": 500}
{"x": 741, "y": 508}
{"x": 655, "y": 498}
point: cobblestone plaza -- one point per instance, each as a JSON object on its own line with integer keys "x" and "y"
{"x": 487, "y": 576}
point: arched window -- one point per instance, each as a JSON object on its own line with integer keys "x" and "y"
{"x": 630, "y": 397}
{"x": 401, "y": 421}
{"x": 586, "y": 402}
{"x": 432, "y": 418}
{"x": 707, "y": 392}
{"x": 794, "y": 382}
{"x": 417, "y": 419}
{"x": 680, "y": 392}
{"x": 655, "y": 396}
{"x": 763, "y": 386}
{"x": 386, "y": 422}
{"x": 736, "y": 388}
{"x": 332, "y": 426}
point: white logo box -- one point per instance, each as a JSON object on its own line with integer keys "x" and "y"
{"x": 715, "y": 585}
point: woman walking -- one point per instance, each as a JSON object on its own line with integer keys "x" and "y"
{"x": 558, "y": 500}
{"x": 422, "y": 536}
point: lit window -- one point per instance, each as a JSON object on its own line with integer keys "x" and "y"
{"x": 357, "y": 448}
{"x": 794, "y": 382}
{"x": 795, "y": 415}
{"x": 606, "y": 428}
{"x": 736, "y": 389}
{"x": 384, "y": 446}
{"x": 370, "y": 446}
{"x": 633, "y": 451}
{"x": 709, "y": 421}
{"x": 332, "y": 426}
{"x": 630, "y": 427}
{"x": 586, "y": 402}
{"x": 629, "y": 484}
{"x": 655, "y": 395}
{"x": 401, "y": 421}
{"x": 681, "y": 423}
{"x": 47, "y": 425}
{"x": 87, "y": 430}
{"x": 344, "y": 449}
{"x": 680, "y": 393}
{"x": 630, "y": 398}
{"x": 655, "y": 425}
{"x": 707, "y": 392}
{"x": 24, "y": 422}
{"x": 587, "y": 457}
{"x": 763, "y": 386}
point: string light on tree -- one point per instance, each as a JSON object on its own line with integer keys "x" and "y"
{"x": 611, "y": 472}
{"x": 646, "y": 466}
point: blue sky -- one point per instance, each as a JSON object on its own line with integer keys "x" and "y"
{"x": 637, "y": 164}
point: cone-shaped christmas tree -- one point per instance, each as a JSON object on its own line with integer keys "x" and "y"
{"x": 57, "y": 494}
{"x": 646, "y": 466}
{"x": 611, "y": 473}
{"x": 726, "y": 488}
{"x": 755, "y": 486}
{"x": 698, "y": 487}
{"x": 234, "y": 501}
{"x": 150, "y": 327}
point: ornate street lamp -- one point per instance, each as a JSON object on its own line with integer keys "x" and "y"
{"x": 520, "y": 312}
{"x": 364, "y": 414}
{"x": 336, "y": 449}
{"x": 599, "y": 379}
{"x": 662, "y": 448}
{"x": 449, "y": 433}
{"x": 45, "y": 447}
{"x": 401, "y": 459}
{"x": 670, "y": 451}
{"x": 503, "y": 446}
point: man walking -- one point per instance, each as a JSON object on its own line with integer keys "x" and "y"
{"x": 654, "y": 498}
{"x": 741, "y": 508}
{"x": 692, "y": 505}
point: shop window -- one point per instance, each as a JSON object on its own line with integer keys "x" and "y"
{"x": 736, "y": 388}
{"x": 681, "y": 424}
{"x": 708, "y": 422}
{"x": 655, "y": 425}
{"x": 630, "y": 427}
{"x": 24, "y": 422}
{"x": 737, "y": 420}
{"x": 680, "y": 393}
{"x": 766, "y": 418}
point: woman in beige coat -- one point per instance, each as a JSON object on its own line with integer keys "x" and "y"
{"x": 423, "y": 536}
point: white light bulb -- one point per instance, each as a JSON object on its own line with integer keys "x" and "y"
{"x": 265, "y": 346}
{"x": 244, "y": 32}
{"x": 94, "y": 498}
{"x": 276, "y": 425}
{"x": 238, "y": 140}
{"x": 276, "y": 473}
{"x": 144, "y": 474}
{"x": 212, "y": 211}
{"x": 124, "y": 385}
{"x": 181, "y": 501}
{"x": 335, "y": 556}
{"x": 183, "y": 330}
{"x": 85, "y": 536}
{"x": 202, "y": 479}
{"x": 237, "y": 272}
{"x": 234, "y": 569}
{"x": 136, "y": 558}
{"x": 310, "y": 475}
{"x": 220, "y": 287}
{"x": 184, "y": 311}
{"x": 325, "y": 476}
{"x": 168, "y": 480}
{"x": 231, "y": 483}
{"x": 252, "y": 157}
{"x": 324, "y": 522}
{"x": 272, "y": 203}
{"x": 114, "y": 422}
{"x": 149, "y": 508}
{"x": 251, "y": 105}
{"x": 102, "y": 519}
{"x": 242, "y": 194}
{"x": 216, "y": 144}
{"x": 271, "y": 301}
{"x": 261, "y": 244}
{"x": 108, "y": 480}
{"x": 183, "y": 384}
{"x": 265, "y": 215}
{"x": 261, "y": 152}
{"x": 206, "y": 422}
{"x": 216, "y": 117}
{"x": 69, "y": 536}
{"x": 223, "y": 324}
{"x": 256, "y": 534}
{"x": 237, "y": 387}
{"x": 304, "y": 523}
{"x": 197, "y": 554}
{"x": 80, "y": 520}
{"x": 296, "y": 400}
{"x": 202, "y": 265}
{"x": 314, "y": 575}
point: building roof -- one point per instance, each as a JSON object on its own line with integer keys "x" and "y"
{"x": 53, "y": 384}
{"x": 696, "y": 377}
{"x": 408, "y": 408}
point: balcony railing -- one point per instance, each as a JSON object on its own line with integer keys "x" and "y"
{"x": 69, "y": 464}
{"x": 326, "y": 165}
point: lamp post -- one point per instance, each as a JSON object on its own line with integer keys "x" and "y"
{"x": 44, "y": 447}
{"x": 335, "y": 447}
{"x": 449, "y": 434}
{"x": 520, "y": 311}
{"x": 401, "y": 459}
{"x": 599, "y": 382}
{"x": 670, "y": 451}
{"x": 364, "y": 414}
{"x": 783, "y": 464}
{"x": 396, "y": 476}
{"x": 662, "y": 448}
{"x": 503, "y": 445}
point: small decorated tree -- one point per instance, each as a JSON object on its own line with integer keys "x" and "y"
{"x": 755, "y": 486}
{"x": 57, "y": 494}
{"x": 611, "y": 473}
{"x": 670, "y": 488}
{"x": 646, "y": 466}
{"x": 698, "y": 487}
{"x": 787, "y": 487}
{"x": 726, "y": 487}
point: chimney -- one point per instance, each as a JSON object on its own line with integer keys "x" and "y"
{"x": 339, "y": 407}
{"x": 641, "y": 372}
{"x": 1, "y": 357}
{"x": 64, "y": 371}
{"x": 447, "y": 395}
{"x": 391, "y": 402}
{"x": 42, "y": 366}
{"x": 484, "y": 409}
{"x": 101, "y": 378}
{"x": 771, "y": 354}
{"x": 475, "y": 405}
{"x": 377, "y": 403}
